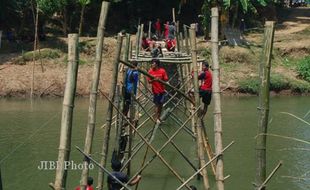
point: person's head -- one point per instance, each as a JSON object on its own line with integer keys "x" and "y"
{"x": 193, "y": 187}
{"x": 158, "y": 19}
{"x": 155, "y": 63}
{"x": 90, "y": 181}
{"x": 135, "y": 64}
{"x": 116, "y": 165}
{"x": 205, "y": 65}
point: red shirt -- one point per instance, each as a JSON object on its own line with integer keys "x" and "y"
{"x": 206, "y": 78}
{"x": 159, "y": 73}
{"x": 157, "y": 26}
{"x": 87, "y": 188}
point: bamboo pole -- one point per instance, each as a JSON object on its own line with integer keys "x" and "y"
{"x": 90, "y": 129}
{"x": 210, "y": 161}
{"x": 173, "y": 15}
{"x": 177, "y": 37}
{"x": 217, "y": 113}
{"x": 201, "y": 157}
{"x": 161, "y": 81}
{"x": 0, "y": 37}
{"x": 102, "y": 168}
{"x": 1, "y": 188}
{"x": 140, "y": 37}
{"x": 148, "y": 144}
{"x": 270, "y": 176}
{"x": 186, "y": 39}
{"x": 150, "y": 26}
{"x": 181, "y": 42}
{"x": 137, "y": 41}
{"x": 263, "y": 107}
{"x": 106, "y": 137}
{"x": 67, "y": 113}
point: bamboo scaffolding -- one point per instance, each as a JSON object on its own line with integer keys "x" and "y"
{"x": 137, "y": 41}
{"x": 106, "y": 138}
{"x": 186, "y": 39}
{"x": 217, "y": 113}
{"x": 263, "y": 107}
{"x": 67, "y": 113}
{"x": 210, "y": 161}
{"x": 149, "y": 31}
{"x": 102, "y": 168}
{"x": 151, "y": 147}
{"x": 263, "y": 185}
{"x": 192, "y": 33}
{"x": 161, "y": 81}
{"x": 90, "y": 129}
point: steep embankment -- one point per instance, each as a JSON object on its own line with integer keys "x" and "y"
{"x": 239, "y": 65}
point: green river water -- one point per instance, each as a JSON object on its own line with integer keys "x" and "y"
{"x": 29, "y": 134}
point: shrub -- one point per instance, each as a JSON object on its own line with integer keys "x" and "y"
{"x": 44, "y": 54}
{"x": 249, "y": 85}
{"x": 303, "y": 68}
{"x": 278, "y": 82}
{"x": 300, "y": 86}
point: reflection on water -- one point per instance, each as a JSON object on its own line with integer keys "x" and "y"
{"x": 29, "y": 134}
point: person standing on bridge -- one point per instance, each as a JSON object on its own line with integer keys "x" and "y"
{"x": 205, "y": 89}
{"x": 158, "y": 88}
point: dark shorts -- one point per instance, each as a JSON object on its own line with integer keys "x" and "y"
{"x": 127, "y": 98}
{"x": 159, "y": 99}
{"x": 206, "y": 96}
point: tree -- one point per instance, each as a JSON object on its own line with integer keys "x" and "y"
{"x": 83, "y": 4}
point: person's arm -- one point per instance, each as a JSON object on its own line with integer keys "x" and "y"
{"x": 165, "y": 76}
{"x": 135, "y": 180}
{"x": 202, "y": 76}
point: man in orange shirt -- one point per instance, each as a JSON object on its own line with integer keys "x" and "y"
{"x": 205, "y": 89}
{"x": 90, "y": 181}
{"x": 158, "y": 88}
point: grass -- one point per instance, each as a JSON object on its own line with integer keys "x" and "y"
{"x": 303, "y": 68}
{"x": 42, "y": 54}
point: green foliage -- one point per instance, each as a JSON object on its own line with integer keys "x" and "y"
{"x": 84, "y": 2}
{"x": 249, "y": 85}
{"x": 245, "y": 4}
{"x": 278, "y": 82}
{"x": 300, "y": 86}
{"x": 44, "y": 54}
{"x": 50, "y": 7}
{"x": 303, "y": 68}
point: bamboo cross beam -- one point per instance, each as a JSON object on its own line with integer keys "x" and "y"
{"x": 163, "y": 60}
{"x": 210, "y": 161}
{"x": 151, "y": 147}
{"x": 102, "y": 168}
{"x": 173, "y": 144}
{"x": 167, "y": 142}
{"x": 263, "y": 185}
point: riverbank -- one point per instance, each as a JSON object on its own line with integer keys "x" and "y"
{"x": 239, "y": 65}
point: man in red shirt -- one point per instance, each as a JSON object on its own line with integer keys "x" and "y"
{"x": 90, "y": 181}
{"x": 158, "y": 88}
{"x": 205, "y": 89}
{"x": 157, "y": 27}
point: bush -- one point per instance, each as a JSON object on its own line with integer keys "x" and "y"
{"x": 278, "y": 82}
{"x": 249, "y": 85}
{"x": 44, "y": 54}
{"x": 303, "y": 68}
{"x": 300, "y": 86}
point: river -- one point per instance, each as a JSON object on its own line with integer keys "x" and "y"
{"x": 29, "y": 134}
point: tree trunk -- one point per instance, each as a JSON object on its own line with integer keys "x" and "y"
{"x": 81, "y": 20}
{"x": 263, "y": 106}
{"x": 64, "y": 21}
{"x": 90, "y": 130}
{"x": 67, "y": 113}
{"x": 235, "y": 15}
{"x": 217, "y": 99}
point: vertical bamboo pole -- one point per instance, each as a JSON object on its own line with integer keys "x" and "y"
{"x": 201, "y": 157}
{"x": 186, "y": 39}
{"x": 106, "y": 137}
{"x": 90, "y": 129}
{"x": 67, "y": 112}
{"x": 1, "y": 188}
{"x": 0, "y": 37}
{"x": 173, "y": 15}
{"x": 137, "y": 41}
{"x": 177, "y": 36}
{"x": 150, "y": 27}
{"x": 263, "y": 107}
{"x": 140, "y": 37}
{"x": 181, "y": 42}
{"x": 217, "y": 100}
